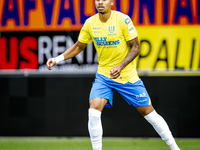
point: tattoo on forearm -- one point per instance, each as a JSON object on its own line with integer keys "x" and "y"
{"x": 134, "y": 51}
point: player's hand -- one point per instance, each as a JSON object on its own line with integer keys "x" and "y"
{"x": 116, "y": 71}
{"x": 50, "y": 63}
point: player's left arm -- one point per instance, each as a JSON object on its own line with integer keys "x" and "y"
{"x": 133, "y": 53}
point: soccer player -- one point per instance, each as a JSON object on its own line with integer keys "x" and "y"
{"x": 116, "y": 41}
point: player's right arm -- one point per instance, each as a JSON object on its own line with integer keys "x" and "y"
{"x": 83, "y": 40}
{"x": 69, "y": 53}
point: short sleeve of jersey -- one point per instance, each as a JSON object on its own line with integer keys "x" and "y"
{"x": 84, "y": 35}
{"x": 128, "y": 28}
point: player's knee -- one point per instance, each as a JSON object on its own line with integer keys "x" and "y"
{"x": 145, "y": 110}
{"x": 98, "y": 103}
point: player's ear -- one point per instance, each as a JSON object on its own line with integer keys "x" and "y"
{"x": 112, "y": 2}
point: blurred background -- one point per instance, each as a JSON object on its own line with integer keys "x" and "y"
{"x": 38, "y": 102}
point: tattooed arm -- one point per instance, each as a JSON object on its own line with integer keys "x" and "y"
{"x": 134, "y": 51}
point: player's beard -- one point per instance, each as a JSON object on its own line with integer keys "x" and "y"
{"x": 102, "y": 13}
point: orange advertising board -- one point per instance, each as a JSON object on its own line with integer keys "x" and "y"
{"x": 47, "y": 15}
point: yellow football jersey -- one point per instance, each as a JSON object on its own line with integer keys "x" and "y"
{"x": 110, "y": 40}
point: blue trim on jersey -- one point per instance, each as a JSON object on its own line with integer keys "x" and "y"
{"x": 134, "y": 93}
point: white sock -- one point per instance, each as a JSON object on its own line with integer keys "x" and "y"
{"x": 98, "y": 148}
{"x": 95, "y": 128}
{"x": 162, "y": 129}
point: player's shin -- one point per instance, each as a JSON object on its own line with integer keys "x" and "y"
{"x": 162, "y": 129}
{"x": 95, "y": 128}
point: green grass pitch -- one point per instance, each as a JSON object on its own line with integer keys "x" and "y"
{"x": 61, "y": 143}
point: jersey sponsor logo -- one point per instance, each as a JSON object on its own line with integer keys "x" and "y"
{"x": 102, "y": 41}
{"x": 131, "y": 29}
{"x": 111, "y": 29}
{"x": 96, "y": 28}
{"x": 127, "y": 21}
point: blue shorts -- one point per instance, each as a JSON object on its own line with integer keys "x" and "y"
{"x": 134, "y": 93}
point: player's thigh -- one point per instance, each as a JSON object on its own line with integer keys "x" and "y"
{"x": 134, "y": 93}
{"x": 102, "y": 93}
{"x": 98, "y": 103}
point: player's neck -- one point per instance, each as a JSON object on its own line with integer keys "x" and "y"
{"x": 104, "y": 16}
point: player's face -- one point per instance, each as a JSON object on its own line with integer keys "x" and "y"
{"x": 103, "y": 6}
